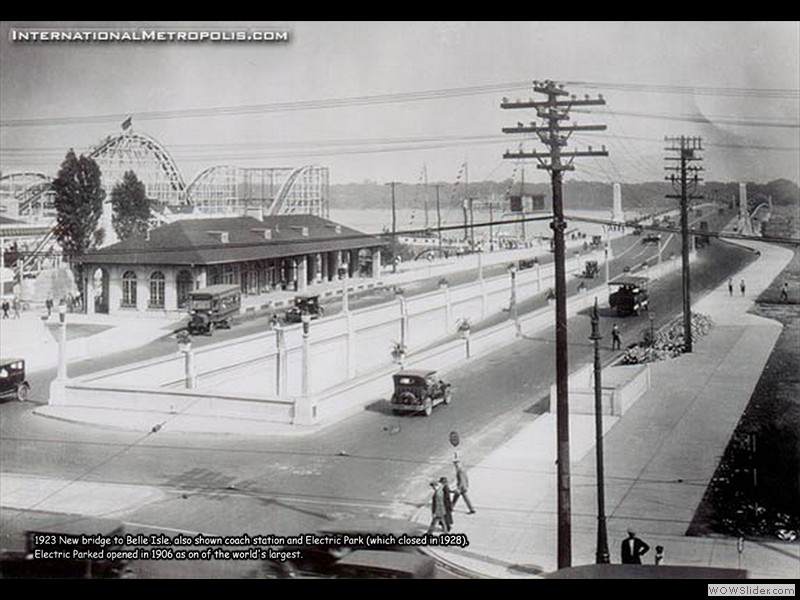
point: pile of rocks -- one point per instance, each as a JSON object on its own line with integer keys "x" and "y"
{"x": 668, "y": 342}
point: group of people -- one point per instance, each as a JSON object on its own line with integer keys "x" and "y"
{"x": 444, "y": 499}
{"x": 633, "y": 549}
{"x": 742, "y": 286}
{"x": 13, "y": 305}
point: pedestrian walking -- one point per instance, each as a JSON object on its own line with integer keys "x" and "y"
{"x": 785, "y": 292}
{"x": 742, "y": 286}
{"x": 633, "y": 549}
{"x": 49, "y": 304}
{"x": 448, "y": 503}
{"x": 462, "y": 486}
{"x": 5, "y": 309}
{"x": 437, "y": 508}
{"x": 616, "y": 340}
{"x": 730, "y": 286}
{"x": 659, "y": 556}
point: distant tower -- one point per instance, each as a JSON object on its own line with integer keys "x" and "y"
{"x": 744, "y": 225}
{"x": 616, "y": 211}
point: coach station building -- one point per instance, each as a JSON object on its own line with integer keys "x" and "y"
{"x": 154, "y": 273}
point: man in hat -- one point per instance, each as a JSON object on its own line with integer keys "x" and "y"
{"x": 633, "y": 549}
{"x": 448, "y": 503}
{"x": 462, "y": 485}
{"x": 437, "y": 508}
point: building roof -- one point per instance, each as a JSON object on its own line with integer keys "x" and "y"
{"x": 233, "y": 239}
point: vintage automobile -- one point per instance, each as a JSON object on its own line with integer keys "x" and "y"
{"x": 631, "y": 295}
{"x": 652, "y": 238}
{"x": 418, "y": 391}
{"x": 12, "y": 379}
{"x": 213, "y": 306}
{"x": 304, "y": 304}
{"x": 590, "y": 270}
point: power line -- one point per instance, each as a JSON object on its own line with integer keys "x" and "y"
{"x": 396, "y": 98}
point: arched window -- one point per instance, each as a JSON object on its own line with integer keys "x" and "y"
{"x": 129, "y": 289}
{"x": 157, "y": 284}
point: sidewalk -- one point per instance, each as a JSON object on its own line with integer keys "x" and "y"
{"x": 659, "y": 458}
{"x": 36, "y": 340}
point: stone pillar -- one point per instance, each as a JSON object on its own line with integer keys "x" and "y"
{"x": 352, "y": 262}
{"x": 376, "y": 263}
{"x": 201, "y": 278}
{"x": 302, "y": 274}
{"x": 447, "y": 307}
{"x": 170, "y": 289}
{"x": 616, "y": 212}
{"x": 351, "y": 345}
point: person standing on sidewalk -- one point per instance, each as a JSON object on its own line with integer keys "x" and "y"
{"x": 448, "y": 503}
{"x": 437, "y": 508}
{"x": 616, "y": 340}
{"x": 633, "y": 549}
{"x": 785, "y": 292}
{"x": 742, "y": 286}
{"x": 462, "y": 486}
{"x": 659, "y": 555}
{"x": 730, "y": 286}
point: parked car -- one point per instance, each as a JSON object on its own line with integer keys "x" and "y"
{"x": 304, "y": 303}
{"x": 12, "y": 379}
{"x": 419, "y": 391}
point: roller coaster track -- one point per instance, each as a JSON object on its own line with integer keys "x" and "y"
{"x": 278, "y": 206}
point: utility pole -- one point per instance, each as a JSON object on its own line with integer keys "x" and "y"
{"x": 394, "y": 229}
{"x": 686, "y": 182}
{"x": 554, "y": 136}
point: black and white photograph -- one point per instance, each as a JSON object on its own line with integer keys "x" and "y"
{"x": 511, "y": 300}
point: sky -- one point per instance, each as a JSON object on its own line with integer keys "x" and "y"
{"x": 383, "y": 101}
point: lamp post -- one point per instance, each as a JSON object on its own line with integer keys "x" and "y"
{"x": 512, "y": 269}
{"x": 464, "y": 329}
{"x": 306, "y": 320}
{"x": 62, "y": 340}
{"x": 280, "y": 359}
{"x": 601, "y": 555}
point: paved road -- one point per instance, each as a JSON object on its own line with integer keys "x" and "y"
{"x": 373, "y": 464}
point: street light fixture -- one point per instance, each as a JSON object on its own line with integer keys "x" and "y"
{"x": 305, "y": 318}
{"x": 62, "y": 341}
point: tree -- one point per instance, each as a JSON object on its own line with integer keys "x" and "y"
{"x": 79, "y": 199}
{"x": 131, "y": 208}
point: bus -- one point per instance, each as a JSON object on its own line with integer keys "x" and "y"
{"x": 213, "y": 306}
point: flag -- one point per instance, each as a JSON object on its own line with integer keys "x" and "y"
{"x": 126, "y": 124}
